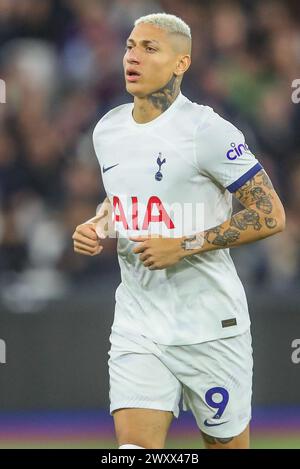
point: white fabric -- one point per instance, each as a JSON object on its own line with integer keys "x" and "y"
{"x": 187, "y": 302}
{"x": 144, "y": 374}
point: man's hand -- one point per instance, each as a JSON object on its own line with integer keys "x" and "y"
{"x": 158, "y": 252}
{"x": 86, "y": 240}
{"x": 88, "y": 235}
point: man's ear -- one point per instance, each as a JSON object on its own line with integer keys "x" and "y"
{"x": 182, "y": 65}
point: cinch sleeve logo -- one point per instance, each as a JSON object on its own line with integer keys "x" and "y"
{"x": 236, "y": 150}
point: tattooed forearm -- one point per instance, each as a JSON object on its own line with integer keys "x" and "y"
{"x": 263, "y": 216}
{"x": 164, "y": 97}
{"x": 246, "y": 218}
{"x": 241, "y": 221}
{"x": 218, "y": 238}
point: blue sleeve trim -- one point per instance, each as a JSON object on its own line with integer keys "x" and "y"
{"x": 248, "y": 175}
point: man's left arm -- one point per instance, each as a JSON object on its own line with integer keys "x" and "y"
{"x": 263, "y": 216}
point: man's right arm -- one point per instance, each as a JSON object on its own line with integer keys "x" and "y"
{"x": 87, "y": 236}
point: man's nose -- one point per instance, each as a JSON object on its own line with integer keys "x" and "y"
{"x": 132, "y": 57}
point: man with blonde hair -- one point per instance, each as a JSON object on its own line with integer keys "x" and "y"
{"x": 181, "y": 325}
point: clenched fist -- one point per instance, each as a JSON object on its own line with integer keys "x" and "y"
{"x": 86, "y": 240}
{"x": 87, "y": 236}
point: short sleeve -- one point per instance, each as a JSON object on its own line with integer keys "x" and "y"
{"x": 96, "y": 141}
{"x": 222, "y": 154}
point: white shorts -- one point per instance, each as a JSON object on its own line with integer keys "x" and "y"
{"x": 213, "y": 378}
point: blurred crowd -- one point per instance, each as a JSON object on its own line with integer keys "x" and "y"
{"x": 61, "y": 61}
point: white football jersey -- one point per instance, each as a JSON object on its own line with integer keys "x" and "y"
{"x": 174, "y": 176}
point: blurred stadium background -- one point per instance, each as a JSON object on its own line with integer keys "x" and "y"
{"x": 61, "y": 61}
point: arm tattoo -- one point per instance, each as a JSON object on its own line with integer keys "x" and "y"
{"x": 246, "y": 218}
{"x": 260, "y": 179}
{"x": 216, "y": 237}
{"x": 257, "y": 192}
{"x": 262, "y": 200}
{"x": 271, "y": 222}
{"x": 265, "y": 180}
{"x": 164, "y": 97}
{"x": 256, "y": 195}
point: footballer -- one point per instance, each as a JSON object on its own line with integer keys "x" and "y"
{"x": 181, "y": 327}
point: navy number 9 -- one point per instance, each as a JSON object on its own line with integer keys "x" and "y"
{"x": 217, "y": 405}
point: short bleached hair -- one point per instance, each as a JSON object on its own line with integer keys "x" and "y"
{"x": 170, "y": 23}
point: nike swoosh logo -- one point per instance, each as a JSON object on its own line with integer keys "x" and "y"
{"x": 109, "y": 167}
{"x": 207, "y": 424}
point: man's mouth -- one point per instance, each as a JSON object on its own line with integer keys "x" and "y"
{"x": 132, "y": 75}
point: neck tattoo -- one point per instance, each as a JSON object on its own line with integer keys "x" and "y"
{"x": 164, "y": 97}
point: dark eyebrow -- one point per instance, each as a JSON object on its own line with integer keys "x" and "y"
{"x": 144, "y": 42}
